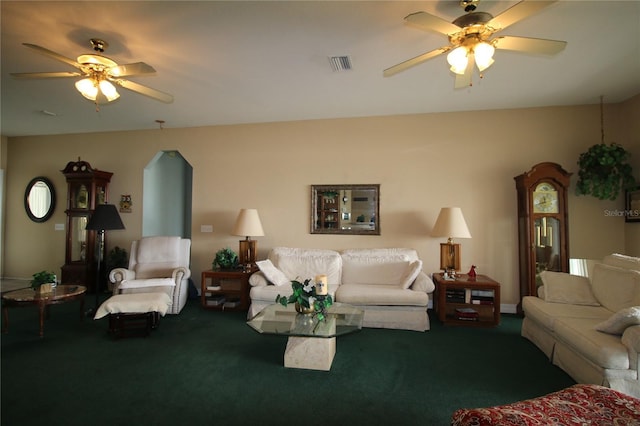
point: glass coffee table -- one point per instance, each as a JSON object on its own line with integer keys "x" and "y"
{"x": 312, "y": 343}
{"x": 28, "y": 297}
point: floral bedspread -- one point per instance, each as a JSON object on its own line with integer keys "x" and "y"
{"x": 577, "y": 405}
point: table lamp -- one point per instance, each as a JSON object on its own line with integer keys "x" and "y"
{"x": 450, "y": 224}
{"x": 248, "y": 225}
{"x": 104, "y": 218}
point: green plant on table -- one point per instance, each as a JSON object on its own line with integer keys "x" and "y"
{"x": 305, "y": 295}
{"x": 42, "y": 277}
{"x": 225, "y": 259}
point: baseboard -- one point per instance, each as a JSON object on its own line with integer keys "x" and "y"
{"x": 508, "y": 308}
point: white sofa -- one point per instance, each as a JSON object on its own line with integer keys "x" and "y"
{"x": 590, "y": 326}
{"x": 388, "y": 284}
{"x": 156, "y": 264}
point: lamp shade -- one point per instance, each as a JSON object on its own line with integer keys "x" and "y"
{"x": 450, "y": 224}
{"x": 248, "y": 224}
{"x": 105, "y": 217}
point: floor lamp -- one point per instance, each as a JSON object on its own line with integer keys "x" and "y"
{"x": 104, "y": 218}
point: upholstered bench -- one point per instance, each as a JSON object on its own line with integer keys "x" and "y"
{"x": 576, "y": 405}
{"x": 134, "y": 314}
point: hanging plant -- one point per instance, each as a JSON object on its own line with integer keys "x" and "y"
{"x": 604, "y": 172}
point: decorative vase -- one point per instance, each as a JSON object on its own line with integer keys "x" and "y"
{"x": 303, "y": 309}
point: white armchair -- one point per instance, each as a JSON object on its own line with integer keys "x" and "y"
{"x": 156, "y": 264}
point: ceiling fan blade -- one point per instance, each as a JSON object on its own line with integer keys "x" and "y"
{"x": 517, "y": 12}
{"x": 414, "y": 61}
{"x": 137, "y": 68}
{"x": 427, "y": 21}
{"x": 529, "y": 45}
{"x": 53, "y": 54}
{"x": 45, "y": 74}
{"x": 144, "y": 90}
{"x": 464, "y": 80}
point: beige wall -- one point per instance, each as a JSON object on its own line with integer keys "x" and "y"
{"x": 422, "y": 162}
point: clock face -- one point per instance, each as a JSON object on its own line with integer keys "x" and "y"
{"x": 545, "y": 199}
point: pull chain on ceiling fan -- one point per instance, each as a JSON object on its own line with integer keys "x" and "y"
{"x": 101, "y": 74}
{"x": 470, "y": 38}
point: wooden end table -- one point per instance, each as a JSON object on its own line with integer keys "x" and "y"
{"x": 226, "y": 289}
{"x": 28, "y": 297}
{"x": 467, "y": 301}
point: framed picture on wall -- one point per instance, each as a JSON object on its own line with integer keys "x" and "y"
{"x": 632, "y": 206}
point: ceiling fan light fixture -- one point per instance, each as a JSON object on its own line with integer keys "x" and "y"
{"x": 483, "y": 53}
{"x": 109, "y": 90}
{"x": 87, "y": 88}
{"x": 458, "y": 59}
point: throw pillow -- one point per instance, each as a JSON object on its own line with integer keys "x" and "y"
{"x": 411, "y": 274}
{"x": 560, "y": 287}
{"x": 273, "y": 274}
{"x": 618, "y": 322}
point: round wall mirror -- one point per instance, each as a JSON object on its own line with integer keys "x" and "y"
{"x": 39, "y": 199}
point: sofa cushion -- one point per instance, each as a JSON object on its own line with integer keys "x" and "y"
{"x": 604, "y": 350}
{"x": 381, "y": 295}
{"x": 560, "y": 287}
{"x": 410, "y": 274}
{"x": 373, "y": 271}
{"x": 304, "y": 263}
{"x": 618, "y": 322}
{"x": 392, "y": 253}
{"x": 622, "y": 261}
{"x": 158, "y": 249}
{"x": 616, "y": 288}
{"x": 546, "y": 313}
{"x": 273, "y": 274}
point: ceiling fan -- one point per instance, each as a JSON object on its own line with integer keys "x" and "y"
{"x": 471, "y": 42}
{"x": 100, "y": 74}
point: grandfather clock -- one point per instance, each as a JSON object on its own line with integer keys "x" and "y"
{"x": 543, "y": 233}
{"x": 86, "y": 188}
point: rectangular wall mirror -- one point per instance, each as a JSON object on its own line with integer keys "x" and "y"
{"x": 345, "y": 209}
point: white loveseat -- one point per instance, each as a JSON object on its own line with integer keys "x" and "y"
{"x": 388, "y": 284}
{"x": 156, "y": 264}
{"x": 590, "y": 327}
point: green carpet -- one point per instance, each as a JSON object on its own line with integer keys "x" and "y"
{"x": 208, "y": 367}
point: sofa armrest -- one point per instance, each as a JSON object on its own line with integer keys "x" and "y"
{"x": 257, "y": 279}
{"x": 423, "y": 283}
{"x": 180, "y": 273}
{"x": 121, "y": 274}
{"x": 631, "y": 338}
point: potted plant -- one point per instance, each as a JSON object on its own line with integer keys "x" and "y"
{"x": 604, "y": 172}
{"x": 306, "y": 299}
{"x": 225, "y": 259}
{"x": 117, "y": 258}
{"x": 43, "y": 281}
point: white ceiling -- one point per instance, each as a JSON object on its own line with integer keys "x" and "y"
{"x": 262, "y": 61}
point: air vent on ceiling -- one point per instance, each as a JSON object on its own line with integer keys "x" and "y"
{"x": 340, "y": 63}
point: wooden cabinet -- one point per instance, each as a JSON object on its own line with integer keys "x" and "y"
{"x": 543, "y": 234}
{"x": 225, "y": 290}
{"x": 467, "y": 301}
{"x": 86, "y": 188}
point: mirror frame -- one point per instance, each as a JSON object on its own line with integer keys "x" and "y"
{"x": 316, "y": 189}
{"x": 27, "y": 192}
